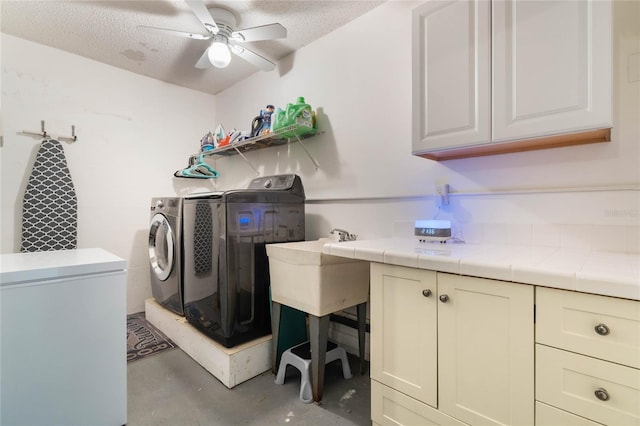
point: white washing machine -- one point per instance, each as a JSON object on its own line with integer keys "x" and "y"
{"x": 165, "y": 252}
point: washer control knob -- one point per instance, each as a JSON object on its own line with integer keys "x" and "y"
{"x": 268, "y": 184}
{"x": 159, "y": 204}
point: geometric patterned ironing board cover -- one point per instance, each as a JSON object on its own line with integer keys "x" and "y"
{"x": 49, "y": 206}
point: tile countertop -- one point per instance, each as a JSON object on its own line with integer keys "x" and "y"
{"x": 598, "y": 272}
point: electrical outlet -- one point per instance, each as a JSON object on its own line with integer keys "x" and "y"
{"x": 443, "y": 192}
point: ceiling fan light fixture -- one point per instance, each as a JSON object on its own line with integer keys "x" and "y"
{"x": 220, "y": 25}
{"x": 236, "y": 49}
{"x": 219, "y": 54}
{"x": 211, "y": 29}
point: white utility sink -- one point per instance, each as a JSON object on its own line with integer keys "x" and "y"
{"x": 305, "y": 278}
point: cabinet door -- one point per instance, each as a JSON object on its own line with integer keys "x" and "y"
{"x": 392, "y": 408}
{"x": 485, "y": 350}
{"x": 451, "y": 74}
{"x": 551, "y": 67}
{"x": 403, "y": 330}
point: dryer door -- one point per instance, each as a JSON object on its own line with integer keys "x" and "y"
{"x": 161, "y": 247}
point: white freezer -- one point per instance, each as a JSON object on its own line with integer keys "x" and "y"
{"x": 63, "y": 338}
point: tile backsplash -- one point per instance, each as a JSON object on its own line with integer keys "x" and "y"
{"x": 623, "y": 239}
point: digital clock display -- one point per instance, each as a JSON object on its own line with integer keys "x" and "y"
{"x": 433, "y": 232}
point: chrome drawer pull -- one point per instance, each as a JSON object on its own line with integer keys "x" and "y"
{"x": 602, "y": 394}
{"x": 426, "y": 293}
{"x": 602, "y": 329}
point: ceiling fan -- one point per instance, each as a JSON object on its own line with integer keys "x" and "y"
{"x": 220, "y": 26}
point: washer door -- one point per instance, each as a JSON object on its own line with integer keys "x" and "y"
{"x": 161, "y": 247}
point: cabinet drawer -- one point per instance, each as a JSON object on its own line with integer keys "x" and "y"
{"x": 598, "y": 326}
{"x": 390, "y": 407}
{"x": 569, "y": 381}
{"x": 547, "y": 415}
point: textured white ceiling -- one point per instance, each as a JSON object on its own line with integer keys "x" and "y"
{"x": 106, "y": 32}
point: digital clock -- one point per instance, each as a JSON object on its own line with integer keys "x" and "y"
{"x": 432, "y": 230}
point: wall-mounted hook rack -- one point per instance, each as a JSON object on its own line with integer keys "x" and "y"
{"x": 71, "y": 139}
{"x": 42, "y": 134}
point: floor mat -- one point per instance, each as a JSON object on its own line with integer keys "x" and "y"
{"x": 143, "y": 339}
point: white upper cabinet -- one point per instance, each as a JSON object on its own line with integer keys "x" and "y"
{"x": 451, "y": 74}
{"x": 551, "y": 67}
{"x": 503, "y": 76}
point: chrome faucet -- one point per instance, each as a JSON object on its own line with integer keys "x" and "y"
{"x": 344, "y": 235}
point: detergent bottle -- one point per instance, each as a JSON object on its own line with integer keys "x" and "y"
{"x": 299, "y": 113}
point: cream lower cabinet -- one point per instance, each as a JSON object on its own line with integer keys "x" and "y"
{"x": 404, "y": 330}
{"x": 587, "y": 358}
{"x": 450, "y": 349}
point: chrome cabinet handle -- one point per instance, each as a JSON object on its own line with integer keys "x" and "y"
{"x": 426, "y": 293}
{"x": 602, "y": 394}
{"x": 602, "y": 329}
{"x": 444, "y": 298}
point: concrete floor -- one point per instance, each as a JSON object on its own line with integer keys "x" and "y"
{"x": 170, "y": 388}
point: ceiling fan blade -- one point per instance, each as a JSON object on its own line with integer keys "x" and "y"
{"x": 263, "y": 32}
{"x": 155, "y": 30}
{"x": 200, "y": 10}
{"x": 252, "y": 57}
{"x": 204, "y": 62}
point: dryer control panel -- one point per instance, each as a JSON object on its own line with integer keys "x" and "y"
{"x": 278, "y": 182}
{"x": 171, "y": 206}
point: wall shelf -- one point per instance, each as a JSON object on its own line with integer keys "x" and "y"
{"x": 277, "y": 138}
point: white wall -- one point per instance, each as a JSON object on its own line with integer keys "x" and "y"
{"x": 133, "y": 133}
{"x": 358, "y": 78}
